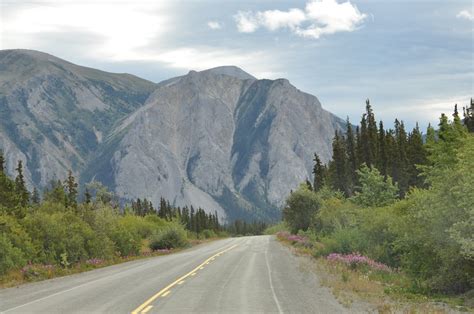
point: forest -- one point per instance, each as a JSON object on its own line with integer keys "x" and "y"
{"x": 401, "y": 199}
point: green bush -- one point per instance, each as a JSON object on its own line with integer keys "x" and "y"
{"x": 301, "y": 208}
{"x": 170, "y": 238}
{"x": 58, "y": 233}
{"x": 10, "y": 256}
{"x": 207, "y": 234}
{"x": 345, "y": 241}
{"x": 17, "y": 235}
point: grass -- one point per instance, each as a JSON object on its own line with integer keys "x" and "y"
{"x": 39, "y": 272}
{"x": 386, "y": 292}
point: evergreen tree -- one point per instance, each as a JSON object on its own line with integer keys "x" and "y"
{"x": 319, "y": 172}
{"x": 359, "y": 148}
{"x": 338, "y": 166}
{"x": 364, "y": 147}
{"x": 469, "y": 117}
{"x": 372, "y": 135}
{"x": 382, "y": 159}
{"x": 71, "y": 190}
{"x": 351, "y": 155}
{"x": 401, "y": 160}
{"x": 416, "y": 154}
{"x": 88, "y": 197}
{"x": 2, "y": 162}
{"x": 20, "y": 185}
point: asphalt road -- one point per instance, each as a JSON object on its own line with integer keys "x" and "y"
{"x": 237, "y": 275}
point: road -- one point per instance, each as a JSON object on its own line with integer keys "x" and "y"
{"x": 236, "y": 275}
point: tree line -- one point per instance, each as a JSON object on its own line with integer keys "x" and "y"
{"x": 396, "y": 153}
{"x": 402, "y": 199}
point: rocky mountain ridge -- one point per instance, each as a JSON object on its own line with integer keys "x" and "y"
{"x": 220, "y": 139}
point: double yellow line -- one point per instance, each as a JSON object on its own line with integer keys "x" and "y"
{"x": 145, "y": 307}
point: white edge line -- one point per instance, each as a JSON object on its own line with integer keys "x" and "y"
{"x": 271, "y": 283}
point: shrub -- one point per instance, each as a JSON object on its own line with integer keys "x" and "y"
{"x": 375, "y": 190}
{"x": 344, "y": 241}
{"x": 207, "y": 234}
{"x": 172, "y": 237}
{"x": 10, "y": 256}
{"x": 301, "y": 209}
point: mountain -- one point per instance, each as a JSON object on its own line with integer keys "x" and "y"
{"x": 219, "y": 138}
{"x": 54, "y": 114}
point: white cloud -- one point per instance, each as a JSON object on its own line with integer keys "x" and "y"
{"x": 247, "y": 22}
{"x": 320, "y": 17}
{"x": 465, "y": 14}
{"x": 122, "y": 27}
{"x": 214, "y": 25}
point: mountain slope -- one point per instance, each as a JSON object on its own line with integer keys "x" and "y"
{"x": 54, "y": 114}
{"x": 220, "y": 138}
{"x": 222, "y": 141}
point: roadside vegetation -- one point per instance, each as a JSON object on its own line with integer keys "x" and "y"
{"x": 393, "y": 212}
{"x": 49, "y": 234}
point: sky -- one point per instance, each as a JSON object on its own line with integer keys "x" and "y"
{"x": 412, "y": 59}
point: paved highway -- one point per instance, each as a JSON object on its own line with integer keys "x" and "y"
{"x": 236, "y": 275}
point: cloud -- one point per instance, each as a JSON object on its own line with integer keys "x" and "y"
{"x": 214, "y": 25}
{"x": 320, "y": 17}
{"x": 465, "y": 14}
{"x": 123, "y": 26}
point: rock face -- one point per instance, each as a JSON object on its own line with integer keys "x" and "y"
{"x": 54, "y": 114}
{"x": 219, "y": 139}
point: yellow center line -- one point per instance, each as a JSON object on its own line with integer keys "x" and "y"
{"x": 164, "y": 290}
{"x": 147, "y": 309}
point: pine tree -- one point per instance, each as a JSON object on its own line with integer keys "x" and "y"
{"x": 402, "y": 160}
{"x": 2, "y": 163}
{"x": 359, "y": 148}
{"x": 365, "y": 142}
{"x": 392, "y": 154}
{"x": 20, "y": 185}
{"x": 382, "y": 158}
{"x": 88, "y": 197}
{"x": 319, "y": 172}
{"x": 351, "y": 155}
{"x": 71, "y": 190}
{"x": 338, "y": 166}
{"x": 469, "y": 117}
{"x": 372, "y": 135}
{"x": 417, "y": 155}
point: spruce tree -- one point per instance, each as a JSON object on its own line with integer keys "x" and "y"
{"x": 338, "y": 167}
{"x": 382, "y": 158}
{"x": 417, "y": 155}
{"x": 88, "y": 197}
{"x": 365, "y": 142}
{"x": 372, "y": 135}
{"x": 402, "y": 160}
{"x": 2, "y": 163}
{"x": 351, "y": 155}
{"x": 20, "y": 185}
{"x": 469, "y": 117}
{"x": 71, "y": 190}
{"x": 319, "y": 172}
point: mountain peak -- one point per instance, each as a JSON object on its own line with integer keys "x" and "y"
{"x": 230, "y": 70}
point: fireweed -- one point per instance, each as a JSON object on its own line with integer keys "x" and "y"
{"x": 355, "y": 259}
